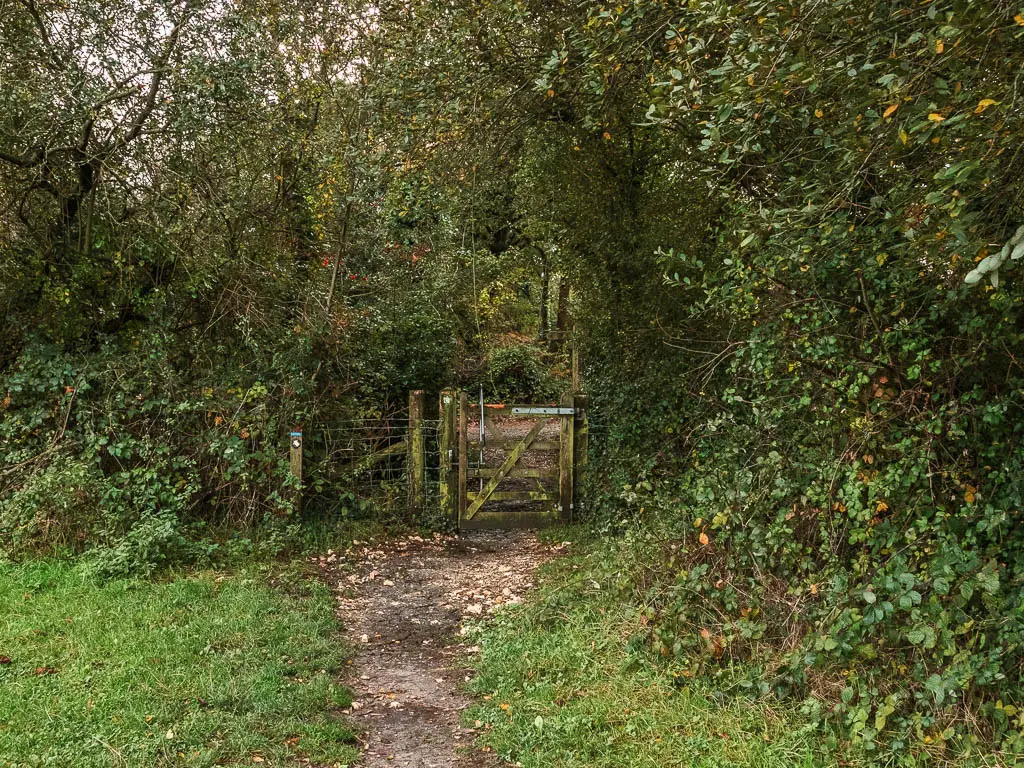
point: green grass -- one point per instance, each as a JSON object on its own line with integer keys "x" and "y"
{"x": 567, "y": 684}
{"x": 206, "y": 669}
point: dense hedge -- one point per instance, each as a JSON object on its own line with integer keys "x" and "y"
{"x": 829, "y": 475}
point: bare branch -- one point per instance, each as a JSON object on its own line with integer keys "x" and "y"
{"x": 159, "y": 71}
{"x": 23, "y": 161}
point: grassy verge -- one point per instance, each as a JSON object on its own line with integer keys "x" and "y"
{"x": 208, "y": 669}
{"x": 566, "y": 681}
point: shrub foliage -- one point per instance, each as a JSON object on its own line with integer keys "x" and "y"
{"x": 787, "y": 236}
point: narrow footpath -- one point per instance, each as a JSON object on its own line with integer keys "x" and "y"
{"x": 404, "y": 607}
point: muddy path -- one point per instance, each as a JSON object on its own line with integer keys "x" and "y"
{"x": 403, "y": 605}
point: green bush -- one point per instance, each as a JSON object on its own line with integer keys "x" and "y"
{"x": 518, "y": 374}
{"x": 54, "y": 510}
{"x": 121, "y": 455}
{"x": 852, "y": 536}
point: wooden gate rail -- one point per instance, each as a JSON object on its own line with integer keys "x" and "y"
{"x": 510, "y": 461}
{"x": 457, "y": 447}
{"x": 555, "y": 488}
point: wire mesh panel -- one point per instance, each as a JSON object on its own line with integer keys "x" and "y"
{"x": 360, "y": 468}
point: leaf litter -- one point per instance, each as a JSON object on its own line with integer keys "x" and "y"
{"x": 406, "y": 606}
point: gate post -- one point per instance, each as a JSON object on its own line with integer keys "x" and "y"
{"x": 417, "y": 464}
{"x": 565, "y": 462}
{"x": 581, "y": 441}
{"x": 463, "y": 453}
{"x": 447, "y": 490}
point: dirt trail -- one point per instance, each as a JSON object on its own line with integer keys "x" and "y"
{"x": 403, "y": 608}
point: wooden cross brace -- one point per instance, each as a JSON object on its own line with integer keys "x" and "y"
{"x": 510, "y": 461}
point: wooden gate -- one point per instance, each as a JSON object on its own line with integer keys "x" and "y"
{"x": 512, "y": 466}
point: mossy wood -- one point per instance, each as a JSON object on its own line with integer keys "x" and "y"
{"x": 565, "y": 463}
{"x": 463, "y": 452}
{"x": 295, "y": 466}
{"x": 510, "y": 496}
{"x": 447, "y": 430}
{"x": 581, "y": 450}
{"x": 417, "y": 462}
{"x": 501, "y": 442}
{"x": 527, "y": 472}
{"x": 514, "y": 456}
{"x": 542, "y": 488}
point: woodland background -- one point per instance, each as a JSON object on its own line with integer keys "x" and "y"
{"x": 222, "y": 219}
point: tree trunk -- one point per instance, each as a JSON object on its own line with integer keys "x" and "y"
{"x": 545, "y": 292}
{"x": 562, "y": 318}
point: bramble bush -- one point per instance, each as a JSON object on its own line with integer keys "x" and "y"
{"x": 825, "y": 479}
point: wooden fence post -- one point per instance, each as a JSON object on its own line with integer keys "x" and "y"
{"x": 295, "y": 464}
{"x": 463, "y": 452}
{"x": 417, "y": 461}
{"x": 447, "y": 409}
{"x": 565, "y": 462}
{"x": 581, "y": 443}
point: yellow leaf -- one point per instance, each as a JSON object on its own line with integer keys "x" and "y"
{"x": 607, "y": 135}
{"x": 814, "y": 589}
{"x": 704, "y": 540}
{"x": 890, "y": 109}
{"x": 935, "y": 117}
{"x": 939, "y": 46}
{"x": 818, "y": 113}
{"x": 904, "y": 137}
{"x": 1019, "y": 19}
{"x": 983, "y": 105}
{"x": 551, "y": 92}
